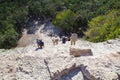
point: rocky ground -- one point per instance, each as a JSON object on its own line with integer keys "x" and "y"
{"x": 54, "y": 62}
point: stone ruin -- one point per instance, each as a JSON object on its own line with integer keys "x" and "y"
{"x": 80, "y": 52}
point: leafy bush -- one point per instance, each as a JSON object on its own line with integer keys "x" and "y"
{"x": 65, "y": 19}
{"x": 104, "y": 27}
{"x": 13, "y": 15}
{"x": 8, "y": 36}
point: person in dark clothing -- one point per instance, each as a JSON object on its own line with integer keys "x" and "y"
{"x": 60, "y": 34}
{"x": 64, "y": 39}
{"x": 40, "y": 43}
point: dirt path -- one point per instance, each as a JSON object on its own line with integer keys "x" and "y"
{"x": 27, "y": 39}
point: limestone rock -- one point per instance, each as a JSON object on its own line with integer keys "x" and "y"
{"x": 93, "y": 68}
{"x": 55, "y": 61}
{"x": 80, "y": 52}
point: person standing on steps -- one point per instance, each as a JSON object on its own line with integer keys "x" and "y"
{"x": 40, "y": 43}
{"x": 64, "y": 39}
{"x": 60, "y": 35}
{"x": 56, "y": 39}
{"x": 73, "y": 38}
{"x": 53, "y": 40}
{"x": 68, "y": 38}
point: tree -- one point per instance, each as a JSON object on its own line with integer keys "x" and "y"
{"x": 8, "y": 35}
{"x": 104, "y": 27}
{"x": 64, "y": 20}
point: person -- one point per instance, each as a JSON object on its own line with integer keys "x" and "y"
{"x": 55, "y": 40}
{"x": 73, "y": 38}
{"x": 68, "y": 38}
{"x": 64, "y": 39}
{"x": 60, "y": 35}
{"x": 40, "y": 43}
{"x": 50, "y": 34}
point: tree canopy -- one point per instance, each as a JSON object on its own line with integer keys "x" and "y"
{"x": 105, "y": 27}
{"x": 65, "y": 19}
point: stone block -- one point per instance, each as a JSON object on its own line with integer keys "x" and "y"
{"x": 80, "y": 52}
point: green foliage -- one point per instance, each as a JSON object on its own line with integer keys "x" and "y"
{"x": 104, "y": 27}
{"x": 65, "y": 19}
{"x": 8, "y": 36}
{"x": 12, "y": 19}
{"x": 44, "y": 8}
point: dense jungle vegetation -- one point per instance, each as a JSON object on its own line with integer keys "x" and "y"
{"x": 95, "y": 20}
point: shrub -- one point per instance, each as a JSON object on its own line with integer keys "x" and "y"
{"x": 104, "y": 27}
{"x": 65, "y": 19}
